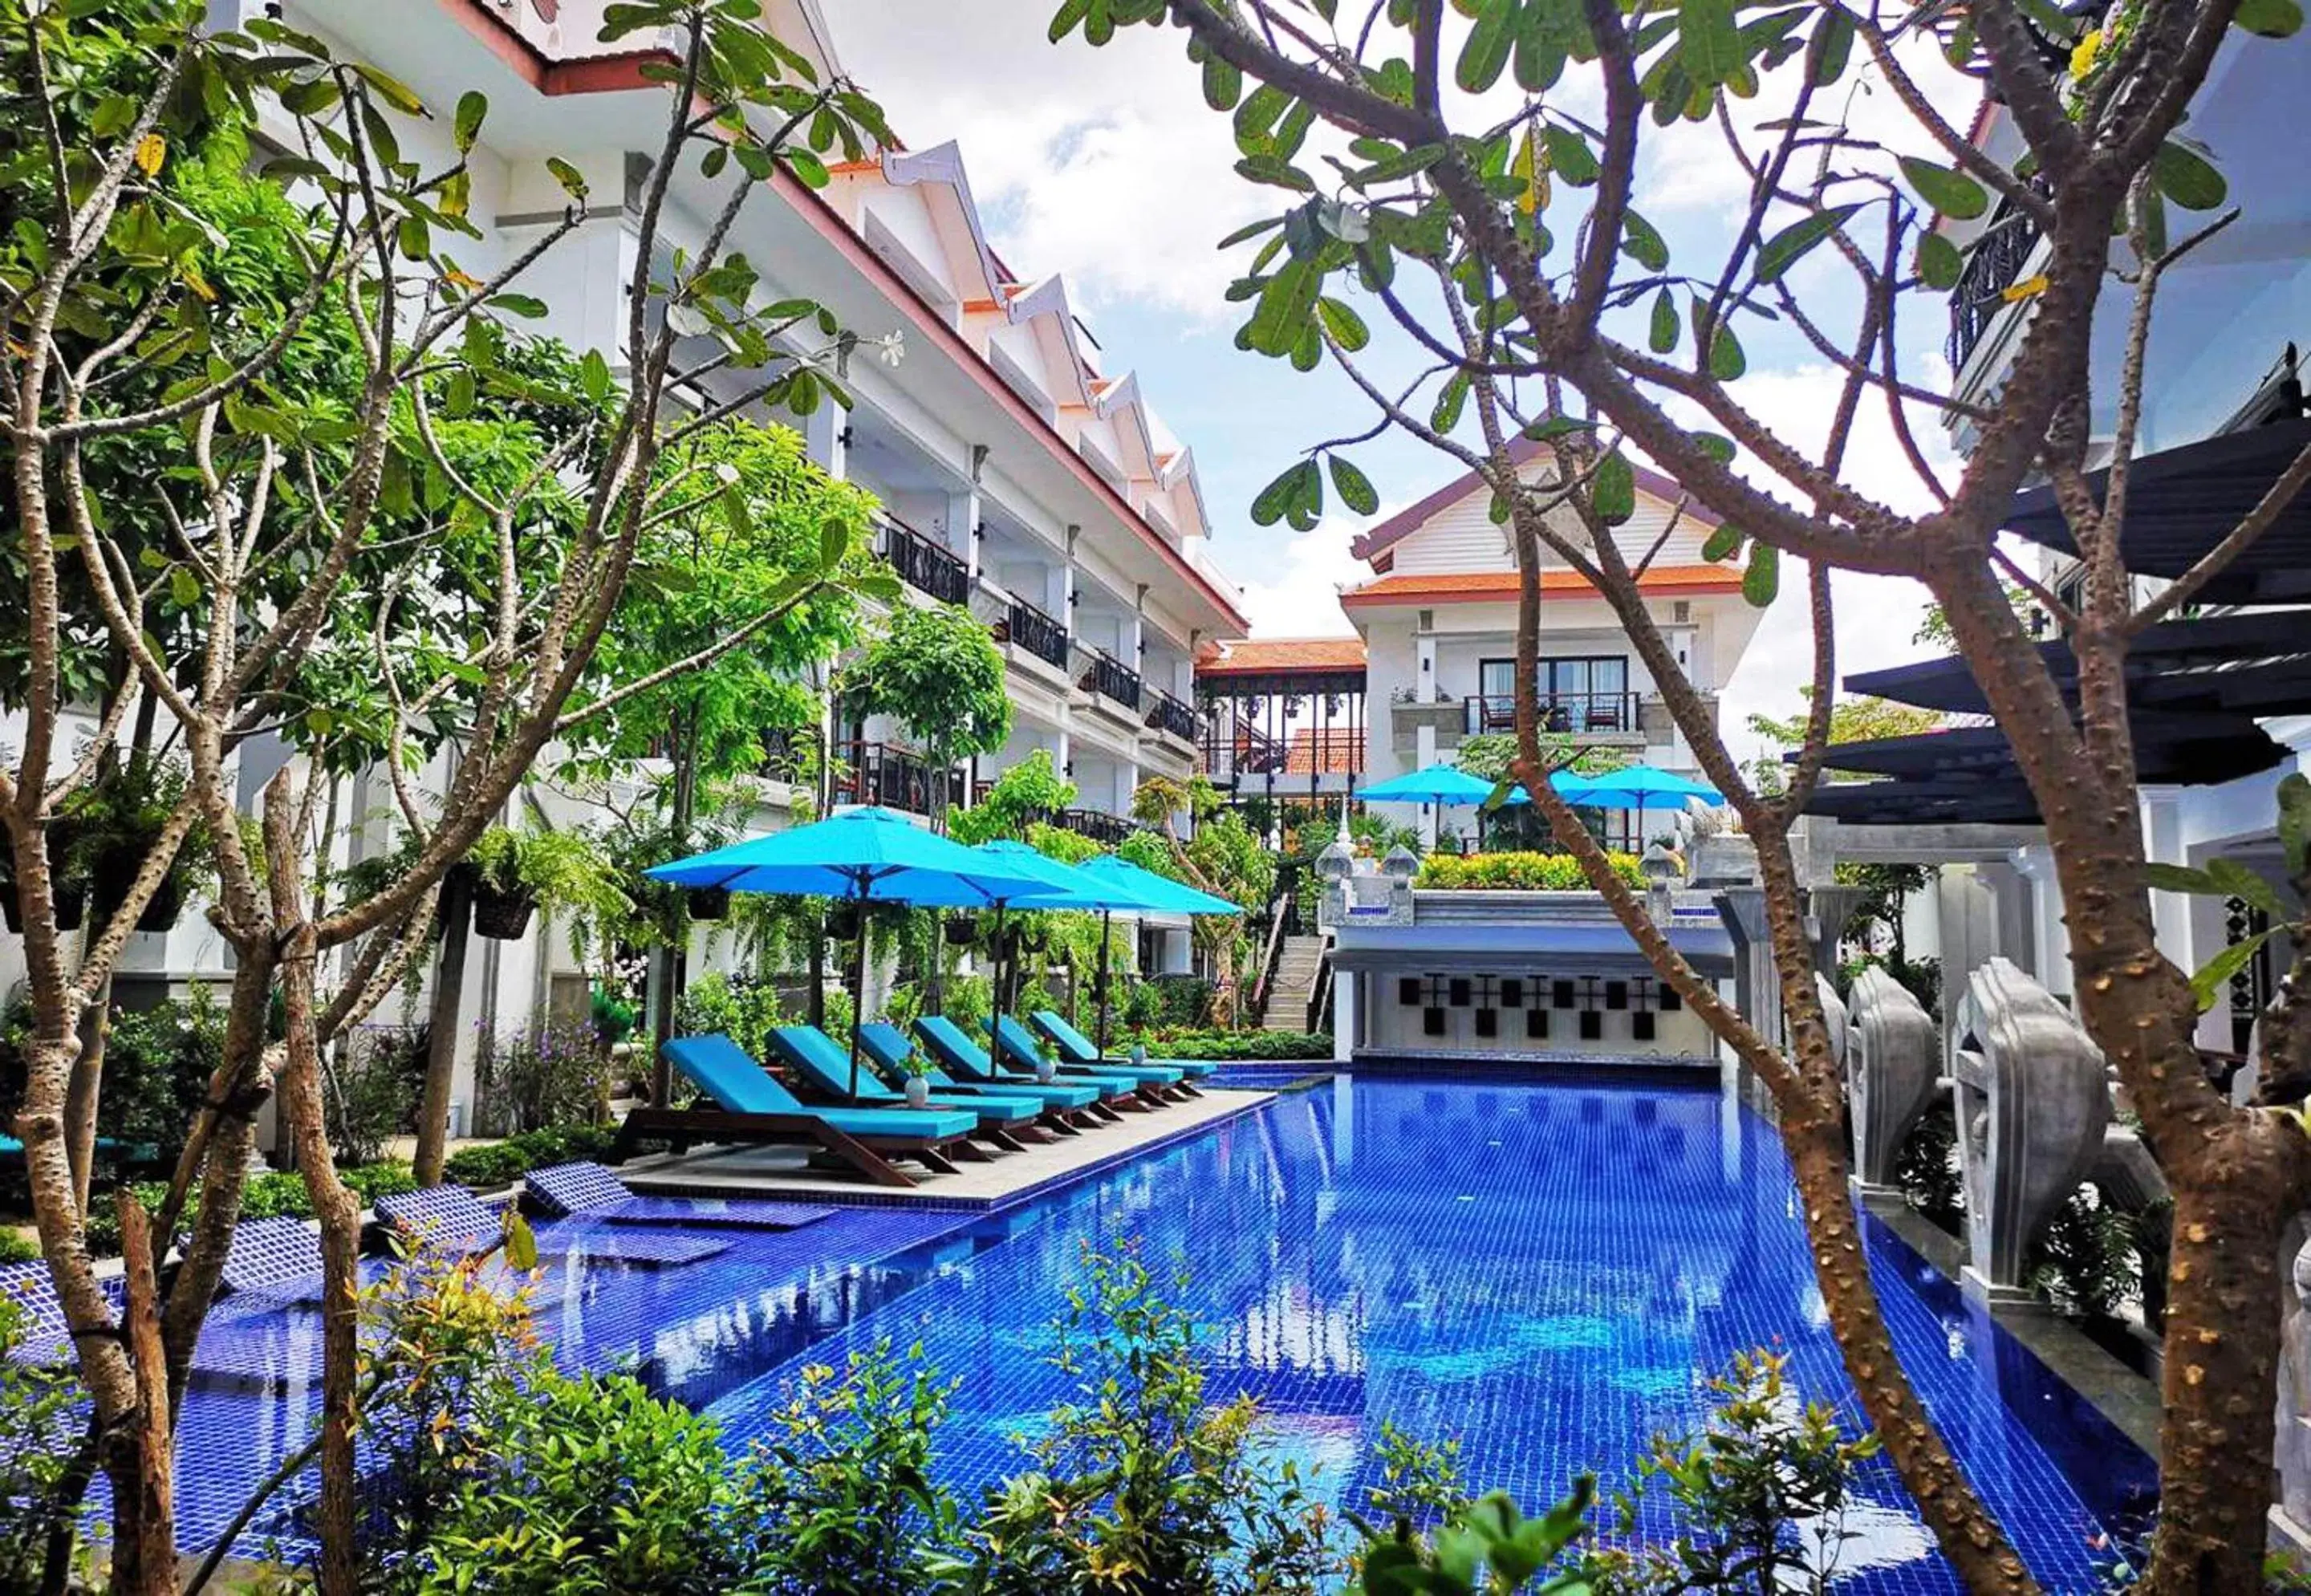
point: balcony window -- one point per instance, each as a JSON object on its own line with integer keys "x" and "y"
{"x": 1167, "y": 713}
{"x": 1575, "y": 694}
{"x": 1113, "y": 680}
{"x": 924, "y": 565}
{"x": 1039, "y": 634}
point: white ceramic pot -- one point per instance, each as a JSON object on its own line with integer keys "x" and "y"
{"x": 1046, "y": 1071}
{"x": 919, "y": 1090}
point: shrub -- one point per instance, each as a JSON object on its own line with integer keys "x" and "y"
{"x": 1143, "y": 1488}
{"x": 552, "y": 1074}
{"x": 840, "y": 1499}
{"x": 744, "y": 1010}
{"x": 16, "y": 1247}
{"x": 1927, "y": 1168}
{"x": 1516, "y": 872}
{"x": 39, "y": 1429}
{"x": 372, "y": 1089}
{"x": 1232, "y": 1045}
{"x": 488, "y": 1165}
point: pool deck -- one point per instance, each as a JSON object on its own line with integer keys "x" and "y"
{"x": 1004, "y": 1180}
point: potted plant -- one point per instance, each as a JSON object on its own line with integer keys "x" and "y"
{"x": 842, "y": 922}
{"x": 503, "y": 902}
{"x": 962, "y": 930}
{"x": 113, "y": 823}
{"x": 68, "y": 893}
{"x": 512, "y": 872}
{"x": 917, "y": 1083}
{"x": 707, "y": 902}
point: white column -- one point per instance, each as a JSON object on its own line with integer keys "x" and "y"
{"x": 1344, "y": 1015}
{"x": 822, "y": 433}
{"x": 2162, "y": 841}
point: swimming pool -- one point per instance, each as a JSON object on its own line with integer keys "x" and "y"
{"x": 1544, "y": 1271}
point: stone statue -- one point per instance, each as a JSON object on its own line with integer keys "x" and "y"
{"x": 1891, "y": 1062}
{"x": 2033, "y": 1101}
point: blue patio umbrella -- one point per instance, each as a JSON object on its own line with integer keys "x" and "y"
{"x": 1569, "y": 785}
{"x": 1431, "y": 784}
{"x": 861, "y": 855}
{"x": 1073, "y": 887}
{"x": 1648, "y": 787}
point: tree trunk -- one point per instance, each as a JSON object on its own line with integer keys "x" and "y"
{"x": 442, "y": 1029}
{"x": 143, "y": 1456}
{"x": 85, "y": 1088}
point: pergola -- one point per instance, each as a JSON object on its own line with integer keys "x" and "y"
{"x": 1285, "y": 719}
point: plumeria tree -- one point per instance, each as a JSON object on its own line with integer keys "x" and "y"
{"x": 365, "y": 523}
{"x": 1466, "y": 174}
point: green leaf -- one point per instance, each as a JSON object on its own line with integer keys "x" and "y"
{"x": 1642, "y": 243}
{"x": 1716, "y": 446}
{"x": 1343, "y": 324}
{"x": 1726, "y": 361}
{"x": 1223, "y": 84}
{"x": 1068, "y": 18}
{"x": 2295, "y": 822}
{"x": 1268, "y": 506}
{"x": 1722, "y": 544}
{"x": 2179, "y": 878}
{"x": 1447, "y": 413}
{"x": 459, "y": 395}
{"x": 183, "y": 587}
{"x": 594, "y": 376}
{"x": 2273, "y": 18}
{"x": 1487, "y": 49}
{"x": 1786, "y": 247}
{"x": 391, "y": 90}
{"x": 1355, "y": 488}
{"x": 1831, "y": 46}
{"x": 2215, "y": 975}
{"x": 1666, "y": 326}
{"x": 473, "y": 105}
{"x": 1569, "y": 155}
{"x": 1284, "y": 305}
{"x": 833, "y": 542}
{"x": 1709, "y": 42}
{"x": 1613, "y": 491}
{"x": 1762, "y": 581}
{"x": 1939, "y": 264}
{"x": 520, "y": 1241}
{"x": 572, "y": 182}
{"x": 1948, "y": 191}
{"x": 2188, "y": 178}
{"x": 517, "y": 304}
{"x": 2234, "y": 879}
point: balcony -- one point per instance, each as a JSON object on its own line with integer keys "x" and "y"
{"x": 1574, "y": 714}
{"x": 1167, "y": 714}
{"x": 1040, "y": 634}
{"x": 1992, "y": 267}
{"x": 1109, "y": 831}
{"x": 894, "y": 778}
{"x": 1109, "y": 679}
{"x": 924, "y": 565}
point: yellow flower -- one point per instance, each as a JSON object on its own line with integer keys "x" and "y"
{"x": 2083, "y": 53}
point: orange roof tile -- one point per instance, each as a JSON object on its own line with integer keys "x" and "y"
{"x": 1266, "y": 656}
{"x": 1325, "y": 751}
{"x": 1484, "y": 586}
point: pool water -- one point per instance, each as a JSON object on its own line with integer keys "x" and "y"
{"x": 1546, "y": 1273}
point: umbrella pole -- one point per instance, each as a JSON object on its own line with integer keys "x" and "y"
{"x": 858, "y": 990}
{"x": 995, "y": 990}
{"x": 1105, "y": 915}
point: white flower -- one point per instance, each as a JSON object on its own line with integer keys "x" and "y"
{"x": 891, "y": 348}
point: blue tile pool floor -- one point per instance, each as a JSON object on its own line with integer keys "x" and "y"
{"x": 1546, "y": 1272}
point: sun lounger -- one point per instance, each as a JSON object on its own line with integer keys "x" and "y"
{"x": 822, "y": 1062}
{"x": 1075, "y": 1048}
{"x": 945, "y": 1041}
{"x": 1068, "y": 1106}
{"x": 750, "y": 1108}
{"x": 451, "y": 1217}
{"x": 587, "y": 1190}
{"x": 1155, "y": 1082}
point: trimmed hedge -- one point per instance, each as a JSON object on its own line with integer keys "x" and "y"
{"x": 1231, "y": 1046}
{"x": 493, "y": 1164}
{"x": 268, "y": 1196}
{"x": 1516, "y": 872}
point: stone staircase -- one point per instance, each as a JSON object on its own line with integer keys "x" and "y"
{"x": 1297, "y": 962}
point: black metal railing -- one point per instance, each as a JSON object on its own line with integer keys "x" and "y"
{"x": 1111, "y": 679}
{"x": 1167, "y": 713}
{"x": 1574, "y": 712}
{"x": 1040, "y": 634}
{"x": 1100, "y": 826}
{"x": 894, "y": 778}
{"x": 1256, "y": 753}
{"x": 924, "y": 565}
{"x": 1992, "y": 267}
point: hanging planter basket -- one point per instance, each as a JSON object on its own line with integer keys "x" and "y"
{"x": 707, "y": 902}
{"x": 842, "y": 922}
{"x": 71, "y": 906}
{"x": 168, "y": 902}
{"x": 502, "y": 917}
{"x": 962, "y": 931}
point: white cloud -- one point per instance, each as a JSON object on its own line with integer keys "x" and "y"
{"x": 1303, "y": 599}
{"x": 1103, "y": 165}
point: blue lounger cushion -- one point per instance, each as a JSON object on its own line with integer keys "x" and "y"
{"x": 1018, "y": 1045}
{"x": 827, "y": 1065}
{"x": 888, "y": 1046}
{"x": 583, "y": 1190}
{"x": 948, "y": 1044}
{"x": 739, "y": 1086}
{"x": 1076, "y": 1048}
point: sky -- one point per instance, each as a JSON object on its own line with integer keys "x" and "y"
{"x": 1105, "y": 166}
